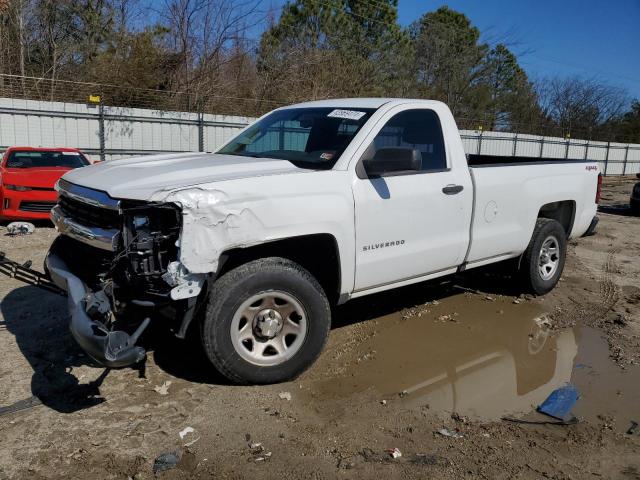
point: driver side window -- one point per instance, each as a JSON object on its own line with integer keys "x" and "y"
{"x": 416, "y": 129}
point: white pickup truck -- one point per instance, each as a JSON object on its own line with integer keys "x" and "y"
{"x": 308, "y": 207}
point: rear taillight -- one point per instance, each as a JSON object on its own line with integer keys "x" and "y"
{"x": 599, "y": 189}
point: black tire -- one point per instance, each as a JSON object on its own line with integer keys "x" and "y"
{"x": 532, "y": 278}
{"x": 227, "y": 295}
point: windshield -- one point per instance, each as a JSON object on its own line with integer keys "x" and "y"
{"x": 307, "y": 137}
{"x": 35, "y": 159}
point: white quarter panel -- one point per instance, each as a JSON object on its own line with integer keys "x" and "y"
{"x": 508, "y": 200}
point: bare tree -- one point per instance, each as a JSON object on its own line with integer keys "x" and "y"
{"x": 580, "y": 106}
{"x": 207, "y": 35}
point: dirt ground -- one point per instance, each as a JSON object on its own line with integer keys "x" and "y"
{"x": 430, "y": 370}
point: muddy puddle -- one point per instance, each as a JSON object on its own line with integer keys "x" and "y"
{"x": 482, "y": 358}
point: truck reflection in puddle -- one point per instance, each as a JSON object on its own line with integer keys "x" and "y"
{"x": 475, "y": 357}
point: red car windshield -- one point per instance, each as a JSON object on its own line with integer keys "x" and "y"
{"x": 36, "y": 159}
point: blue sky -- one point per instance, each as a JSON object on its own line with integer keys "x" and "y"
{"x": 588, "y": 38}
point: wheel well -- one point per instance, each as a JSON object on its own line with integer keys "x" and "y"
{"x": 563, "y": 212}
{"x": 317, "y": 253}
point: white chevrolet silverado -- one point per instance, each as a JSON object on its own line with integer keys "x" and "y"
{"x": 308, "y": 207}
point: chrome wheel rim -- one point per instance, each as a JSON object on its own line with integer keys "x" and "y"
{"x": 549, "y": 258}
{"x": 269, "y": 328}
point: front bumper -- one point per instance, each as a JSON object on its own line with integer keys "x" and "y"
{"x": 112, "y": 349}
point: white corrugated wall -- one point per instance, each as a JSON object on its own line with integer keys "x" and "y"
{"x": 136, "y": 131}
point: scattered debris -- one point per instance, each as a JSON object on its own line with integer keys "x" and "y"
{"x": 183, "y": 433}
{"x": 448, "y": 318}
{"x": 559, "y": 403}
{"x": 164, "y": 388}
{"x": 571, "y": 421}
{"x": 20, "y": 405}
{"x": 383, "y": 402}
{"x": 489, "y": 298}
{"x": 517, "y": 301}
{"x": 632, "y": 429}
{"x": 188, "y": 444}
{"x": 285, "y": 396}
{"x": 445, "y": 432}
{"x": 258, "y": 453}
{"x": 620, "y": 319}
{"x": 20, "y": 228}
{"x": 77, "y": 453}
{"x": 371, "y": 456}
{"x": 394, "y": 452}
{"x": 166, "y": 461}
{"x": 459, "y": 418}
{"x": 403, "y": 393}
{"x": 261, "y": 458}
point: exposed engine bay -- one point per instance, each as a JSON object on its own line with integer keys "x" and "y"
{"x": 124, "y": 259}
{"x": 144, "y": 246}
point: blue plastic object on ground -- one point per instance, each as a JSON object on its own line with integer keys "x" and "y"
{"x": 559, "y": 403}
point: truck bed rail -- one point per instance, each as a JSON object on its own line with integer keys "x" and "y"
{"x": 477, "y": 160}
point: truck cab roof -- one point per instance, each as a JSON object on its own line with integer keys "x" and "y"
{"x": 360, "y": 102}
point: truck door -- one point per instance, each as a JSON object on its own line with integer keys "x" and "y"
{"x": 410, "y": 224}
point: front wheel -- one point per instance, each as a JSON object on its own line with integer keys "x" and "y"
{"x": 543, "y": 261}
{"x": 266, "y": 321}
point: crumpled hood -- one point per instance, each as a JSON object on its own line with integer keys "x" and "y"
{"x": 138, "y": 178}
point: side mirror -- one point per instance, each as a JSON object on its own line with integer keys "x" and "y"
{"x": 393, "y": 159}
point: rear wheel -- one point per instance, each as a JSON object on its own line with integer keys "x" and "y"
{"x": 543, "y": 261}
{"x": 266, "y": 321}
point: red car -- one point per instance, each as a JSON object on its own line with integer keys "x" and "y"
{"x": 27, "y": 178}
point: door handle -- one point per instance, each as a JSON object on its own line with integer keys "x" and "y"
{"x": 452, "y": 189}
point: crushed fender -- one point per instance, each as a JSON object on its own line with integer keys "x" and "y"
{"x": 209, "y": 220}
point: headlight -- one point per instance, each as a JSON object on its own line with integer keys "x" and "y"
{"x": 17, "y": 188}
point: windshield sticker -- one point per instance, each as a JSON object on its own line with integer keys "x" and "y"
{"x": 326, "y": 156}
{"x": 73, "y": 154}
{"x": 347, "y": 114}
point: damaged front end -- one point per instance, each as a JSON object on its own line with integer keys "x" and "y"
{"x": 118, "y": 262}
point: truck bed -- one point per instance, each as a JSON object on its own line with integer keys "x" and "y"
{"x": 510, "y": 193}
